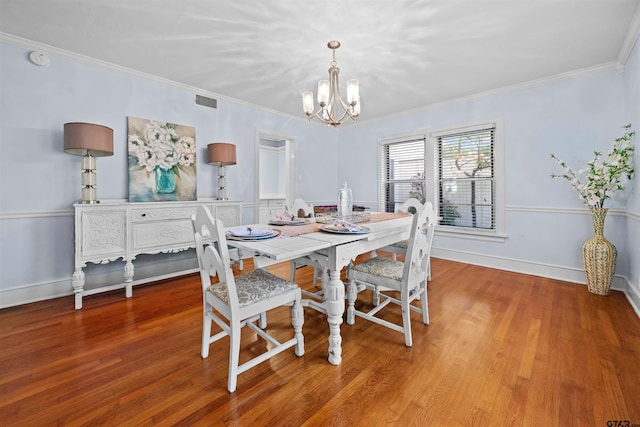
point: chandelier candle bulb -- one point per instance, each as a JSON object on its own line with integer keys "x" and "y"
{"x": 323, "y": 92}
{"x": 307, "y": 102}
{"x": 356, "y": 108}
{"x": 352, "y": 92}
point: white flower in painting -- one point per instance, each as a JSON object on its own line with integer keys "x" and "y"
{"x": 157, "y": 132}
{"x": 160, "y": 146}
{"x": 185, "y": 149}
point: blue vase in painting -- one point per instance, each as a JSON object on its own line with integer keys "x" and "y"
{"x": 165, "y": 180}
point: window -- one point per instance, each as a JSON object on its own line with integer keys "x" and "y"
{"x": 466, "y": 179}
{"x": 402, "y": 171}
{"x": 458, "y": 169}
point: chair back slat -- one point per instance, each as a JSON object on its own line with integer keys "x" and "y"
{"x": 411, "y": 205}
{"x": 213, "y": 253}
{"x": 420, "y": 240}
{"x": 302, "y": 209}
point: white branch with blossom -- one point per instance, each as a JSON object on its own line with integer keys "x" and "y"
{"x": 602, "y": 177}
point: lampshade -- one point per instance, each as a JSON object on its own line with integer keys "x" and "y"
{"x": 221, "y": 154}
{"x": 87, "y": 138}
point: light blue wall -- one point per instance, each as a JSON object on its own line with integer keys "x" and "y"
{"x": 632, "y": 103}
{"x": 39, "y": 182}
{"x": 545, "y": 221}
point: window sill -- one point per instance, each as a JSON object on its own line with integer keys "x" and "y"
{"x": 490, "y": 236}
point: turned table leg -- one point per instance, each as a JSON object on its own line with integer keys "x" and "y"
{"x": 334, "y": 302}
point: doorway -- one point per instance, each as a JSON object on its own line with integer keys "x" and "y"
{"x": 275, "y": 171}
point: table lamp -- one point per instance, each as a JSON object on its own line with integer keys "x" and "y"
{"x": 221, "y": 154}
{"x": 90, "y": 141}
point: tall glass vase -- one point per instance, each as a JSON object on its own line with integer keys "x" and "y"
{"x": 599, "y": 256}
{"x": 165, "y": 180}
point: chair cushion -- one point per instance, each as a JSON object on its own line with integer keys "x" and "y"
{"x": 253, "y": 286}
{"x": 403, "y": 244}
{"x": 384, "y": 267}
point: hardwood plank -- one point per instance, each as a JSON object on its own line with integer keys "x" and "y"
{"x": 502, "y": 349}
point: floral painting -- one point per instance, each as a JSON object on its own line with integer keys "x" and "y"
{"x": 162, "y": 161}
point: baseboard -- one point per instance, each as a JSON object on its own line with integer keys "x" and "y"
{"x": 147, "y": 272}
{"x": 35, "y": 292}
{"x": 95, "y": 281}
{"x": 557, "y": 272}
{"x": 633, "y": 295}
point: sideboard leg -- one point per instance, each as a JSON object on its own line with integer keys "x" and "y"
{"x": 128, "y": 279}
{"x": 77, "y": 281}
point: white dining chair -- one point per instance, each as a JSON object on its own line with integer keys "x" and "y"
{"x": 235, "y": 302}
{"x": 302, "y": 209}
{"x": 413, "y": 206}
{"x": 383, "y": 275}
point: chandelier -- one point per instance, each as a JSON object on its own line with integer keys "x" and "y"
{"x": 329, "y": 96}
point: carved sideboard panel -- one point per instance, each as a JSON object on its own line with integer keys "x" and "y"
{"x": 115, "y": 230}
{"x": 103, "y": 234}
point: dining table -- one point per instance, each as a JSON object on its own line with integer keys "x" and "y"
{"x": 333, "y": 250}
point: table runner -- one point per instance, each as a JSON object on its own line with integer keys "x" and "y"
{"x": 297, "y": 230}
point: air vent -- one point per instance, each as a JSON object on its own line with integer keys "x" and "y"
{"x": 206, "y": 102}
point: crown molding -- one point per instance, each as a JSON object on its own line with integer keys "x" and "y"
{"x": 632, "y": 35}
{"x": 33, "y": 45}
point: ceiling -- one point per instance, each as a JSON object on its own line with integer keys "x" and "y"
{"x": 406, "y": 54}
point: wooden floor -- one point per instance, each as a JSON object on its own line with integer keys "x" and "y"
{"x": 502, "y": 349}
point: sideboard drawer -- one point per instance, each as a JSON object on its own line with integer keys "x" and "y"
{"x": 172, "y": 234}
{"x": 162, "y": 214}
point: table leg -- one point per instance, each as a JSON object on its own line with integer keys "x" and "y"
{"x": 334, "y": 302}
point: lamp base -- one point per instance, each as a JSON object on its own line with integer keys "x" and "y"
{"x": 89, "y": 194}
{"x": 89, "y": 202}
{"x": 222, "y": 184}
{"x": 222, "y": 194}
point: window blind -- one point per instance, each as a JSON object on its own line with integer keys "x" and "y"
{"x": 403, "y": 172}
{"x": 466, "y": 179}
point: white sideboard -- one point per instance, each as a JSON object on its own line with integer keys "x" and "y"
{"x": 111, "y": 230}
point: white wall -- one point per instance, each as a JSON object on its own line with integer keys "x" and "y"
{"x": 546, "y": 222}
{"x": 632, "y": 110}
{"x": 39, "y": 182}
